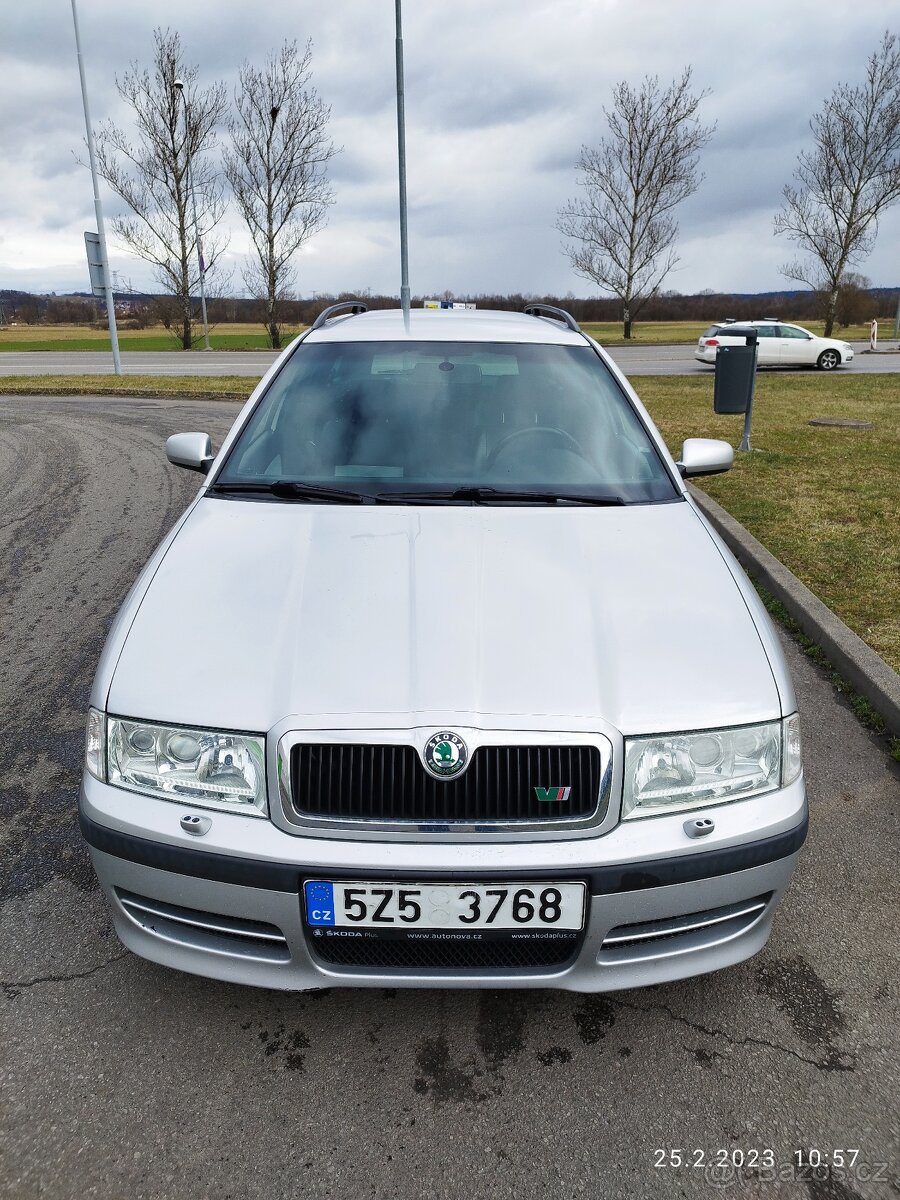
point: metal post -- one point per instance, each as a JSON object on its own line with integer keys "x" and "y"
{"x": 190, "y": 176}
{"x": 745, "y": 440}
{"x": 897, "y": 319}
{"x": 98, "y": 208}
{"x": 401, "y": 155}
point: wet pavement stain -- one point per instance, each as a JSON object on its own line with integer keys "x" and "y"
{"x": 501, "y": 1027}
{"x": 440, "y": 1078}
{"x": 594, "y": 1019}
{"x": 828, "y": 1187}
{"x": 706, "y": 1058}
{"x": 814, "y": 1011}
{"x": 556, "y": 1054}
{"x": 42, "y": 845}
{"x": 38, "y": 807}
{"x": 294, "y": 1058}
{"x": 289, "y": 1045}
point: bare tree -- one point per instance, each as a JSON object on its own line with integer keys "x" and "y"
{"x": 276, "y": 167}
{"x": 855, "y": 303}
{"x": 151, "y": 173}
{"x": 847, "y": 180}
{"x": 622, "y": 230}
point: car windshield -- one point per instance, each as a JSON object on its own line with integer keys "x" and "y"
{"x": 405, "y": 419}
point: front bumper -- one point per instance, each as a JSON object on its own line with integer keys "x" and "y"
{"x": 229, "y": 906}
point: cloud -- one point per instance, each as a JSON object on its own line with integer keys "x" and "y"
{"x": 499, "y": 99}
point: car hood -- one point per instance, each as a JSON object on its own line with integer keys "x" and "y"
{"x": 384, "y": 616}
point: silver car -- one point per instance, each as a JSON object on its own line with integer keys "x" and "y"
{"x": 443, "y": 680}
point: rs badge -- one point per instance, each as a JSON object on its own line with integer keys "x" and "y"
{"x": 552, "y": 795}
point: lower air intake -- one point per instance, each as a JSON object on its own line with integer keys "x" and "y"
{"x": 676, "y": 935}
{"x": 439, "y": 955}
{"x": 206, "y": 931}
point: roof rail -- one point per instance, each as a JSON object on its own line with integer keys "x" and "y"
{"x": 558, "y": 314}
{"x": 355, "y": 306}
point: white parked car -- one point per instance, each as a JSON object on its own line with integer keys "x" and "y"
{"x": 779, "y": 345}
{"x": 443, "y": 679}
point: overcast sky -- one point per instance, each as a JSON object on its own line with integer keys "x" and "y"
{"x": 500, "y": 96}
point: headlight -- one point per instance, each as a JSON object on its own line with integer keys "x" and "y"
{"x": 680, "y": 771}
{"x": 196, "y": 766}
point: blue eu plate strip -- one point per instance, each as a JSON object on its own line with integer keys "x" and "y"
{"x": 319, "y": 902}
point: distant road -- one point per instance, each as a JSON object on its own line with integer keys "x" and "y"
{"x": 634, "y": 360}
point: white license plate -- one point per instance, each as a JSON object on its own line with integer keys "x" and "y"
{"x": 459, "y": 906}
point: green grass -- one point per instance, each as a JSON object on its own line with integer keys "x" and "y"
{"x": 198, "y": 387}
{"x": 24, "y": 338}
{"x": 651, "y": 333}
{"x": 822, "y": 500}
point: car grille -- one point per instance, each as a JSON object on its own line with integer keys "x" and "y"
{"x": 389, "y": 783}
{"x": 428, "y": 954}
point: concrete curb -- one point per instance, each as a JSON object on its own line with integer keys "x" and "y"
{"x": 864, "y": 670}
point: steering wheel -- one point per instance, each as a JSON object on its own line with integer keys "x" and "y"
{"x": 548, "y": 431}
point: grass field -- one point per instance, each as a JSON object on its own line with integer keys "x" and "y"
{"x": 823, "y": 500}
{"x": 21, "y": 338}
{"x": 198, "y": 387}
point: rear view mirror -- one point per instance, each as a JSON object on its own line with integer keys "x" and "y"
{"x": 705, "y": 456}
{"x": 191, "y": 450}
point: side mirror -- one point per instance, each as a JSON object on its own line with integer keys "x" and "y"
{"x": 191, "y": 450}
{"x": 705, "y": 456}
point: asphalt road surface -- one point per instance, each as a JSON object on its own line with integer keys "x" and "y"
{"x": 634, "y": 360}
{"x": 122, "y": 1079}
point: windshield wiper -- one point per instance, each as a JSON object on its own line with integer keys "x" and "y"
{"x": 488, "y": 495}
{"x": 291, "y": 489}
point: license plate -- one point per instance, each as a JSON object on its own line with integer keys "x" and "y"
{"x": 394, "y": 907}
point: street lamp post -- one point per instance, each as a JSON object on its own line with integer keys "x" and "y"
{"x": 179, "y": 85}
{"x": 98, "y": 209}
{"x": 275, "y": 340}
{"x": 401, "y": 156}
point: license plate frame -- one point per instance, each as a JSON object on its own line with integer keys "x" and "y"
{"x": 491, "y": 909}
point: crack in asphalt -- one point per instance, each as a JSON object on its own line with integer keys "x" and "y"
{"x": 830, "y": 1064}
{"x": 11, "y": 988}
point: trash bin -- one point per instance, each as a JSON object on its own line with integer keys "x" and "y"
{"x": 735, "y": 374}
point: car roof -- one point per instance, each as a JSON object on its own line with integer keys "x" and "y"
{"x": 446, "y": 325}
{"x": 729, "y": 321}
